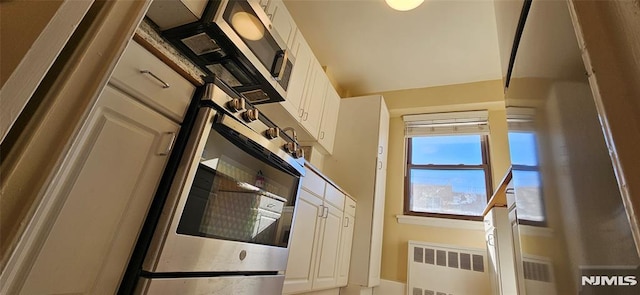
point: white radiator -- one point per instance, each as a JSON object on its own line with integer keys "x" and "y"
{"x": 538, "y": 275}
{"x": 436, "y": 269}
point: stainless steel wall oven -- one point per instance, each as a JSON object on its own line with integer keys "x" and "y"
{"x": 225, "y": 225}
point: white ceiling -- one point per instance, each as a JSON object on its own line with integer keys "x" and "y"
{"x": 368, "y": 47}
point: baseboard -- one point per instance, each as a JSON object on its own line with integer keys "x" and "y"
{"x": 390, "y": 288}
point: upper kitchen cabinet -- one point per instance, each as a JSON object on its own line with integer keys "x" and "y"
{"x": 299, "y": 75}
{"x": 305, "y": 104}
{"x": 314, "y": 99}
{"x": 361, "y": 149}
{"x": 327, "y": 134}
{"x": 282, "y": 21}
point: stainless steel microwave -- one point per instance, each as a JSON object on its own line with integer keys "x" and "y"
{"x": 234, "y": 41}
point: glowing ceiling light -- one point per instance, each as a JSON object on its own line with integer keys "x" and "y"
{"x": 404, "y": 5}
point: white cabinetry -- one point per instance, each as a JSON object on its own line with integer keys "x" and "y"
{"x": 326, "y": 137}
{"x": 314, "y": 96}
{"x": 104, "y": 191}
{"x": 293, "y": 105}
{"x": 311, "y": 105}
{"x": 281, "y": 20}
{"x": 321, "y": 237}
{"x": 346, "y": 241}
{"x": 358, "y": 165}
{"x": 303, "y": 246}
{"x": 503, "y": 248}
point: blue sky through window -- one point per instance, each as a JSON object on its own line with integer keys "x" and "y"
{"x": 447, "y": 150}
{"x": 522, "y": 146}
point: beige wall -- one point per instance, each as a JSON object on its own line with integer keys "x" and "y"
{"x": 21, "y": 22}
{"x": 612, "y": 40}
{"x": 470, "y": 96}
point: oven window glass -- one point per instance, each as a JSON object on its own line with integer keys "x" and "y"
{"x": 241, "y": 17}
{"x": 236, "y": 196}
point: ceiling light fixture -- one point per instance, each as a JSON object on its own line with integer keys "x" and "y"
{"x": 403, "y": 5}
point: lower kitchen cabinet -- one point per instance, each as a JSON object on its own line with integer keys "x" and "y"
{"x": 320, "y": 247}
{"x": 95, "y": 205}
{"x": 106, "y": 188}
{"x": 349, "y": 218}
{"x": 303, "y": 244}
{"x": 327, "y": 258}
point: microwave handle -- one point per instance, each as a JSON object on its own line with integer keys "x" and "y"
{"x": 278, "y": 72}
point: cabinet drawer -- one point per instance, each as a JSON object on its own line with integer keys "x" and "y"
{"x": 334, "y": 197}
{"x": 161, "y": 88}
{"x": 350, "y": 206}
{"x": 313, "y": 183}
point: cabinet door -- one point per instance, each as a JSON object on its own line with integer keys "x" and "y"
{"x": 299, "y": 77}
{"x": 345, "y": 249}
{"x": 314, "y": 99}
{"x": 379, "y": 197}
{"x": 112, "y": 176}
{"x": 329, "y": 119}
{"x": 303, "y": 244}
{"x": 281, "y": 20}
{"x": 327, "y": 258}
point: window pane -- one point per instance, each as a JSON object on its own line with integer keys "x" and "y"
{"x": 451, "y": 150}
{"x": 461, "y": 192}
{"x": 523, "y": 148}
{"x": 528, "y": 197}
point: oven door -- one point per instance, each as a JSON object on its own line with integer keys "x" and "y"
{"x": 230, "y": 206}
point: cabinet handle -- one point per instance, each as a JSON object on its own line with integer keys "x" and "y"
{"x": 346, "y": 219}
{"x": 306, "y": 116}
{"x": 321, "y": 134}
{"x": 379, "y": 165}
{"x": 321, "y": 211}
{"x": 300, "y": 112}
{"x": 164, "y": 84}
{"x": 352, "y": 206}
{"x": 171, "y": 143}
{"x": 490, "y": 240}
{"x": 380, "y": 150}
{"x": 325, "y": 214}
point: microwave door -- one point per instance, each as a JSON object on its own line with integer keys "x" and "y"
{"x": 260, "y": 45}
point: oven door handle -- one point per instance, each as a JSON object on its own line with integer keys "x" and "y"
{"x": 278, "y": 71}
{"x": 275, "y": 149}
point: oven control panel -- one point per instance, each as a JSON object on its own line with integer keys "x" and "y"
{"x": 238, "y": 107}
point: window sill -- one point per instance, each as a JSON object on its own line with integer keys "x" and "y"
{"x": 537, "y": 231}
{"x": 441, "y": 222}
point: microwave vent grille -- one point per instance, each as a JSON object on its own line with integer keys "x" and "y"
{"x": 255, "y": 96}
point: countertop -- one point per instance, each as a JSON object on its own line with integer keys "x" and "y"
{"x": 310, "y": 166}
{"x": 148, "y": 36}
